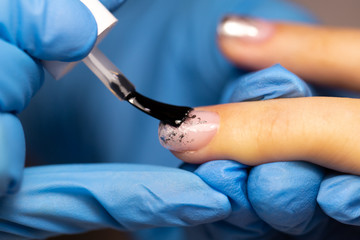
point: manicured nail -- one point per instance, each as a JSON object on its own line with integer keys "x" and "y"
{"x": 193, "y": 134}
{"x": 243, "y": 28}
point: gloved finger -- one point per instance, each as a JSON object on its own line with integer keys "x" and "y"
{"x": 48, "y": 29}
{"x": 112, "y": 4}
{"x": 77, "y": 198}
{"x": 269, "y": 83}
{"x": 315, "y": 53}
{"x": 20, "y": 78}
{"x": 284, "y": 195}
{"x": 12, "y": 153}
{"x": 339, "y": 198}
{"x": 230, "y": 178}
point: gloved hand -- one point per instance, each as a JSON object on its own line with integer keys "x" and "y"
{"x": 77, "y": 198}
{"x": 33, "y": 30}
{"x": 277, "y": 196}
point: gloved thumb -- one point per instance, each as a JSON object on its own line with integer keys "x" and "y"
{"x": 49, "y": 29}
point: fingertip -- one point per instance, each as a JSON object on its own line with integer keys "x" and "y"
{"x": 76, "y": 41}
{"x": 12, "y": 154}
{"x": 338, "y": 198}
{"x": 193, "y": 134}
{"x": 20, "y": 78}
{"x": 284, "y": 195}
{"x": 230, "y": 178}
{"x": 68, "y": 35}
{"x": 241, "y": 40}
{"x": 245, "y": 29}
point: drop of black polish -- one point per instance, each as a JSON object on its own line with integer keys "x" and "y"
{"x": 166, "y": 113}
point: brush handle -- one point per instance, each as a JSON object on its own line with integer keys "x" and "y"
{"x": 109, "y": 74}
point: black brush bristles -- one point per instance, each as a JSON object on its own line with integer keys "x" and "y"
{"x": 168, "y": 114}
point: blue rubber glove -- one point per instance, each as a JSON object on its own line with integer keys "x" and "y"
{"x": 339, "y": 198}
{"x": 275, "y": 196}
{"x": 29, "y": 31}
{"x": 77, "y": 198}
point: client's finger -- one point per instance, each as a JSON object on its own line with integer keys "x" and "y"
{"x": 320, "y": 55}
{"x": 324, "y": 131}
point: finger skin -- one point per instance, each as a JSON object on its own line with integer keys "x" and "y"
{"x": 321, "y": 130}
{"x": 320, "y": 55}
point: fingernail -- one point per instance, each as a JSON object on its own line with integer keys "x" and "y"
{"x": 243, "y": 28}
{"x": 193, "y": 134}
